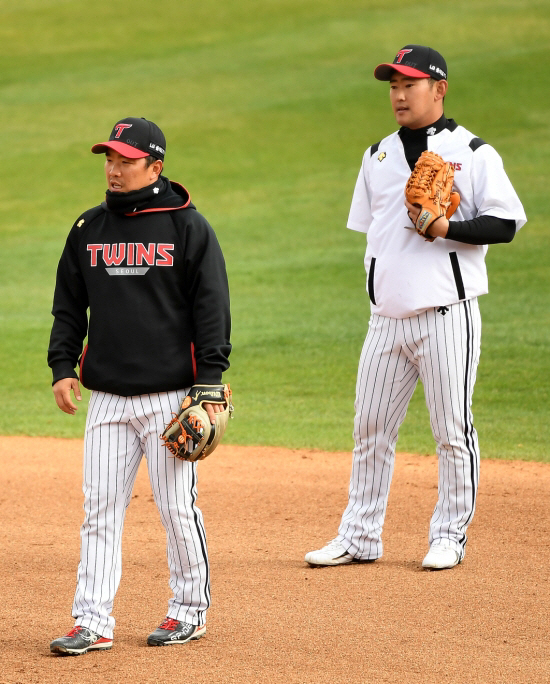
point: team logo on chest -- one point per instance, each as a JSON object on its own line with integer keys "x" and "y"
{"x": 130, "y": 258}
{"x": 381, "y": 156}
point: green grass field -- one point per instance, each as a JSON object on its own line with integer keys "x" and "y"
{"x": 267, "y": 108}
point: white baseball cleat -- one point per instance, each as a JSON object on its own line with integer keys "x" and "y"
{"x": 331, "y": 554}
{"x": 441, "y": 556}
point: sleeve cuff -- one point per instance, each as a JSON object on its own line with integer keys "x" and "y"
{"x": 63, "y": 370}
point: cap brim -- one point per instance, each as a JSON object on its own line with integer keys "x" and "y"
{"x": 383, "y": 72}
{"x": 120, "y": 147}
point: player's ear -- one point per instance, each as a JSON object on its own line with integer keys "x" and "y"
{"x": 441, "y": 89}
{"x": 156, "y": 168}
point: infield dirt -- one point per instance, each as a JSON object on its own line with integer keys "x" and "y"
{"x": 273, "y": 618}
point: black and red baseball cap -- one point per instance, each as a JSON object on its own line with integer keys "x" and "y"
{"x": 134, "y": 138}
{"x": 416, "y": 61}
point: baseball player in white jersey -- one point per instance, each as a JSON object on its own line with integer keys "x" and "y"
{"x": 148, "y": 270}
{"x": 425, "y": 320}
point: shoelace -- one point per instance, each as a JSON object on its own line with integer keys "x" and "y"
{"x": 334, "y": 543}
{"x": 169, "y": 624}
{"x": 75, "y": 631}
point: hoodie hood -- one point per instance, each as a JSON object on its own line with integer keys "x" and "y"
{"x": 163, "y": 195}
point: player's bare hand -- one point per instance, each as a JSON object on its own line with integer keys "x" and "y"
{"x": 62, "y": 393}
{"x": 438, "y": 228}
{"x": 412, "y": 210}
{"x": 212, "y": 409}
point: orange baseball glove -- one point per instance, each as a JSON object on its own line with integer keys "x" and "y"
{"x": 430, "y": 187}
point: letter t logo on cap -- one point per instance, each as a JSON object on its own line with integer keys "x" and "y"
{"x": 399, "y": 56}
{"x": 122, "y": 126}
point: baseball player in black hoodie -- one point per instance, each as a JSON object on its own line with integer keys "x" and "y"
{"x": 143, "y": 277}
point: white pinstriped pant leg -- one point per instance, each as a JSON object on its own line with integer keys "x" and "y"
{"x": 112, "y": 453}
{"x": 174, "y": 485}
{"x": 118, "y": 431}
{"x": 443, "y": 349}
{"x": 385, "y": 384}
{"x": 449, "y": 359}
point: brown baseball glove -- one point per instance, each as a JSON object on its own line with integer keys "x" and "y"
{"x": 430, "y": 187}
{"x": 190, "y": 436}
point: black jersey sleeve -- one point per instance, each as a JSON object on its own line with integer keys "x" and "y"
{"x": 208, "y": 291}
{"x": 70, "y": 304}
{"x": 482, "y": 230}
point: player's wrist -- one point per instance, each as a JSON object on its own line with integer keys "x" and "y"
{"x": 439, "y": 228}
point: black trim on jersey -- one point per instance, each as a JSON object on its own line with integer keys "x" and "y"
{"x": 371, "y": 280}
{"x": 374, "y": 148}
{"x": 433, "y": 129}
{"x": 458, "y": 275}
{"x": 475, "y": 143}
{"x": 415, "y": 140}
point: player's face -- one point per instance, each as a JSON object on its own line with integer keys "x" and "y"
{"x": 416, "y": 102}
{"x": 125, "y": 174}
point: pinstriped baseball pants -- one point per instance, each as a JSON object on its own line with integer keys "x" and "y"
{"x": 442, "y": 348}
{"x": 119, "y": 430}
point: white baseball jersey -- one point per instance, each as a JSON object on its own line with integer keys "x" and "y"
{"x": 407, "y": 275}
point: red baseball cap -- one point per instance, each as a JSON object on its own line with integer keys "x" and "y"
{"x": 416, "y": 61}
{"x": 134, "y": 138}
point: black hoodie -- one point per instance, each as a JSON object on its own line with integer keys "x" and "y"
{"x": 152, "y": 276}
